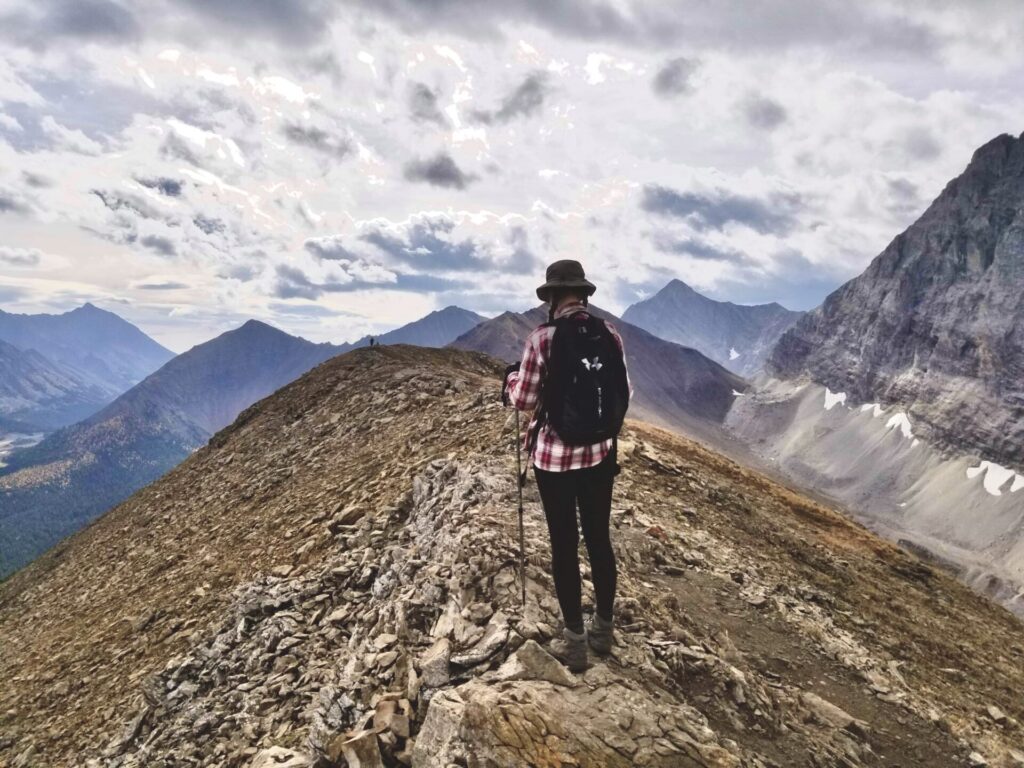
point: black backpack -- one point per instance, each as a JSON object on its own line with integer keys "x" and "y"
{"x": 586, "y": 392}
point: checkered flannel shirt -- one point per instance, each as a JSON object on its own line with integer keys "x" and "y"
{"x": 525, "y": 388}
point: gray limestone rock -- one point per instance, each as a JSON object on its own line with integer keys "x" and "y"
{"x": 531, "y": 662}
{"x": 936, "y": 322}
{"x": 434, "y": 664}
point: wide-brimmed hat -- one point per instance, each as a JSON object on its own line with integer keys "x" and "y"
{"x": 566, "y": 273}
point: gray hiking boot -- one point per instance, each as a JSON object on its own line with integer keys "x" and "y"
{"x": 600, "y": 636}
{"x": 571, "y": 650}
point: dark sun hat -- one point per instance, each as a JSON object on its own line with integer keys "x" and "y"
{"x": 566, "y": 273}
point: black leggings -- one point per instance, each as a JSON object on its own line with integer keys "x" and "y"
{"x": 560, "y": 492}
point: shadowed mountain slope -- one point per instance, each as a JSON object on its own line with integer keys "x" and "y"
{"x": 674, "y": 385}
{"x": 102, "y": 349}
{"x": 36, "y": 394}
{"x": 332, "y": 581}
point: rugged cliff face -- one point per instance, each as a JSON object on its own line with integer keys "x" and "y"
{"x": 332, "y": 581}
{"x": 936, "y": 323}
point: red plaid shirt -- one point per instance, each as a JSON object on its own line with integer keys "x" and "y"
{"x": 524, "y": 389}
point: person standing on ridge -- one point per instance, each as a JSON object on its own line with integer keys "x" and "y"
{"x": 573, "y": 375}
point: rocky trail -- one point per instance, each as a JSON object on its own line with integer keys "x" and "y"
{"x": 332, "y": 581}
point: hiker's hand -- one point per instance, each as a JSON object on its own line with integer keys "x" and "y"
{"x": 504, "y": 382}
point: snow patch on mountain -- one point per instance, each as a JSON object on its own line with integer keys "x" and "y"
{"x": 901, "y": 422}
{"x": 995, "y": 477}
{"x": 834, "y": 398}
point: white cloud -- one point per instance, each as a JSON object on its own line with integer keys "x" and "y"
{"x": 11, "y": 123}
{"x": 272, "y": 146}
{"x": 70, "y": 139}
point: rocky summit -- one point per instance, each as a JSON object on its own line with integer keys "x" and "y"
{"x": 333, "y": 581}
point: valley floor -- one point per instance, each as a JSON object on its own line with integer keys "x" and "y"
{"x": 335, "y": 575}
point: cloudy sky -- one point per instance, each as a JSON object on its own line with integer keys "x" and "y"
{"x": 337, "y": 168}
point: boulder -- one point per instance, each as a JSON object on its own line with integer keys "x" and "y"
{"x": 495, "y": 636}
{"x": 828, "y": 713}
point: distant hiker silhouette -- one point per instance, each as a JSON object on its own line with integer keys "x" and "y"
{"x": 371, "y": 341}
{"x": 573, "y": 375}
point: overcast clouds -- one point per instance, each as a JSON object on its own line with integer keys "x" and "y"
{"x": 341, "y": 168}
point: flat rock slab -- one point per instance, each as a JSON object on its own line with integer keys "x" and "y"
{"x": 544, "y": 725}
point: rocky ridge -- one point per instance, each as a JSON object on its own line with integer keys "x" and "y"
{"x": 332, "y": 581}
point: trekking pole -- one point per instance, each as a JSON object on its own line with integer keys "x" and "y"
{"x": 522, "y": 536}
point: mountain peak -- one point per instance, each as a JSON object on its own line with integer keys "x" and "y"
{"x": 254, "y": 324}
{"x": 736, "y": 336}
{"x": 999, "y": 147}
{"x": 436, "y": 329}
{"x": 90, "y": 309}
{"x": 253, "y": 327}
{"x": 675, "y": 284}
{"x": 97, "y": 347}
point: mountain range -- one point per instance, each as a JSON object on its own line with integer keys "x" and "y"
{"x": 433, "y": 330}
{"x": 330, "y": 577}
{"x": 674, "y": 385}
{"x": 38, "y": 395}
{"x": 900, "y": 396}
{"x": 80, "y": 471}
{"x": 73, "y": 475}
{"x": 737, "y": 336}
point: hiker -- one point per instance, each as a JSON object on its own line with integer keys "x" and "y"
{"x": 371, "y": 341}
{"x": 573, "y": 373}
